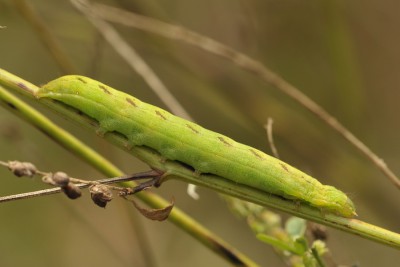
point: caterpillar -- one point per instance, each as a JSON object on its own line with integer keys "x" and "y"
{"x": 180, "y": 140}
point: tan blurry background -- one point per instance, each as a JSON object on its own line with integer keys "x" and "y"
{"x": 343, "y": 54}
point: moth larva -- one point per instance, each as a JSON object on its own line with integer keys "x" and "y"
{"x": 181, "y": 140}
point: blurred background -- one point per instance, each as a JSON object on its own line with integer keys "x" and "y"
{"x": 342, "y": 54}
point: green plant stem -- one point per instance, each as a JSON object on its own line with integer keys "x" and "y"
{"x": 178, "y": 217}
{"x": 177, "y": 171}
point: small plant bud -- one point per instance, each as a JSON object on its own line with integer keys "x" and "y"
{"x": 22, "y": 168}
{"x": 72, "y": 191}
{"x": 101, "y": 195}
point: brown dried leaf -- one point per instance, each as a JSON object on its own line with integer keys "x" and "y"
{"x": 154, "y": 214}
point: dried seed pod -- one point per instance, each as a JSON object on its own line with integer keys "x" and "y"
{"x": 72, "y": 191}
{"x": 22, "y": 168}
{"x": 60, "y": 179}
{"x": 101, "y": 194}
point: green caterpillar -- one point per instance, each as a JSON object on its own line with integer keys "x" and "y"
{"x": 181, "y": 140}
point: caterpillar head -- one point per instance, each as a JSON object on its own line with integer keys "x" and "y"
{"x": 335, "y": 201}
